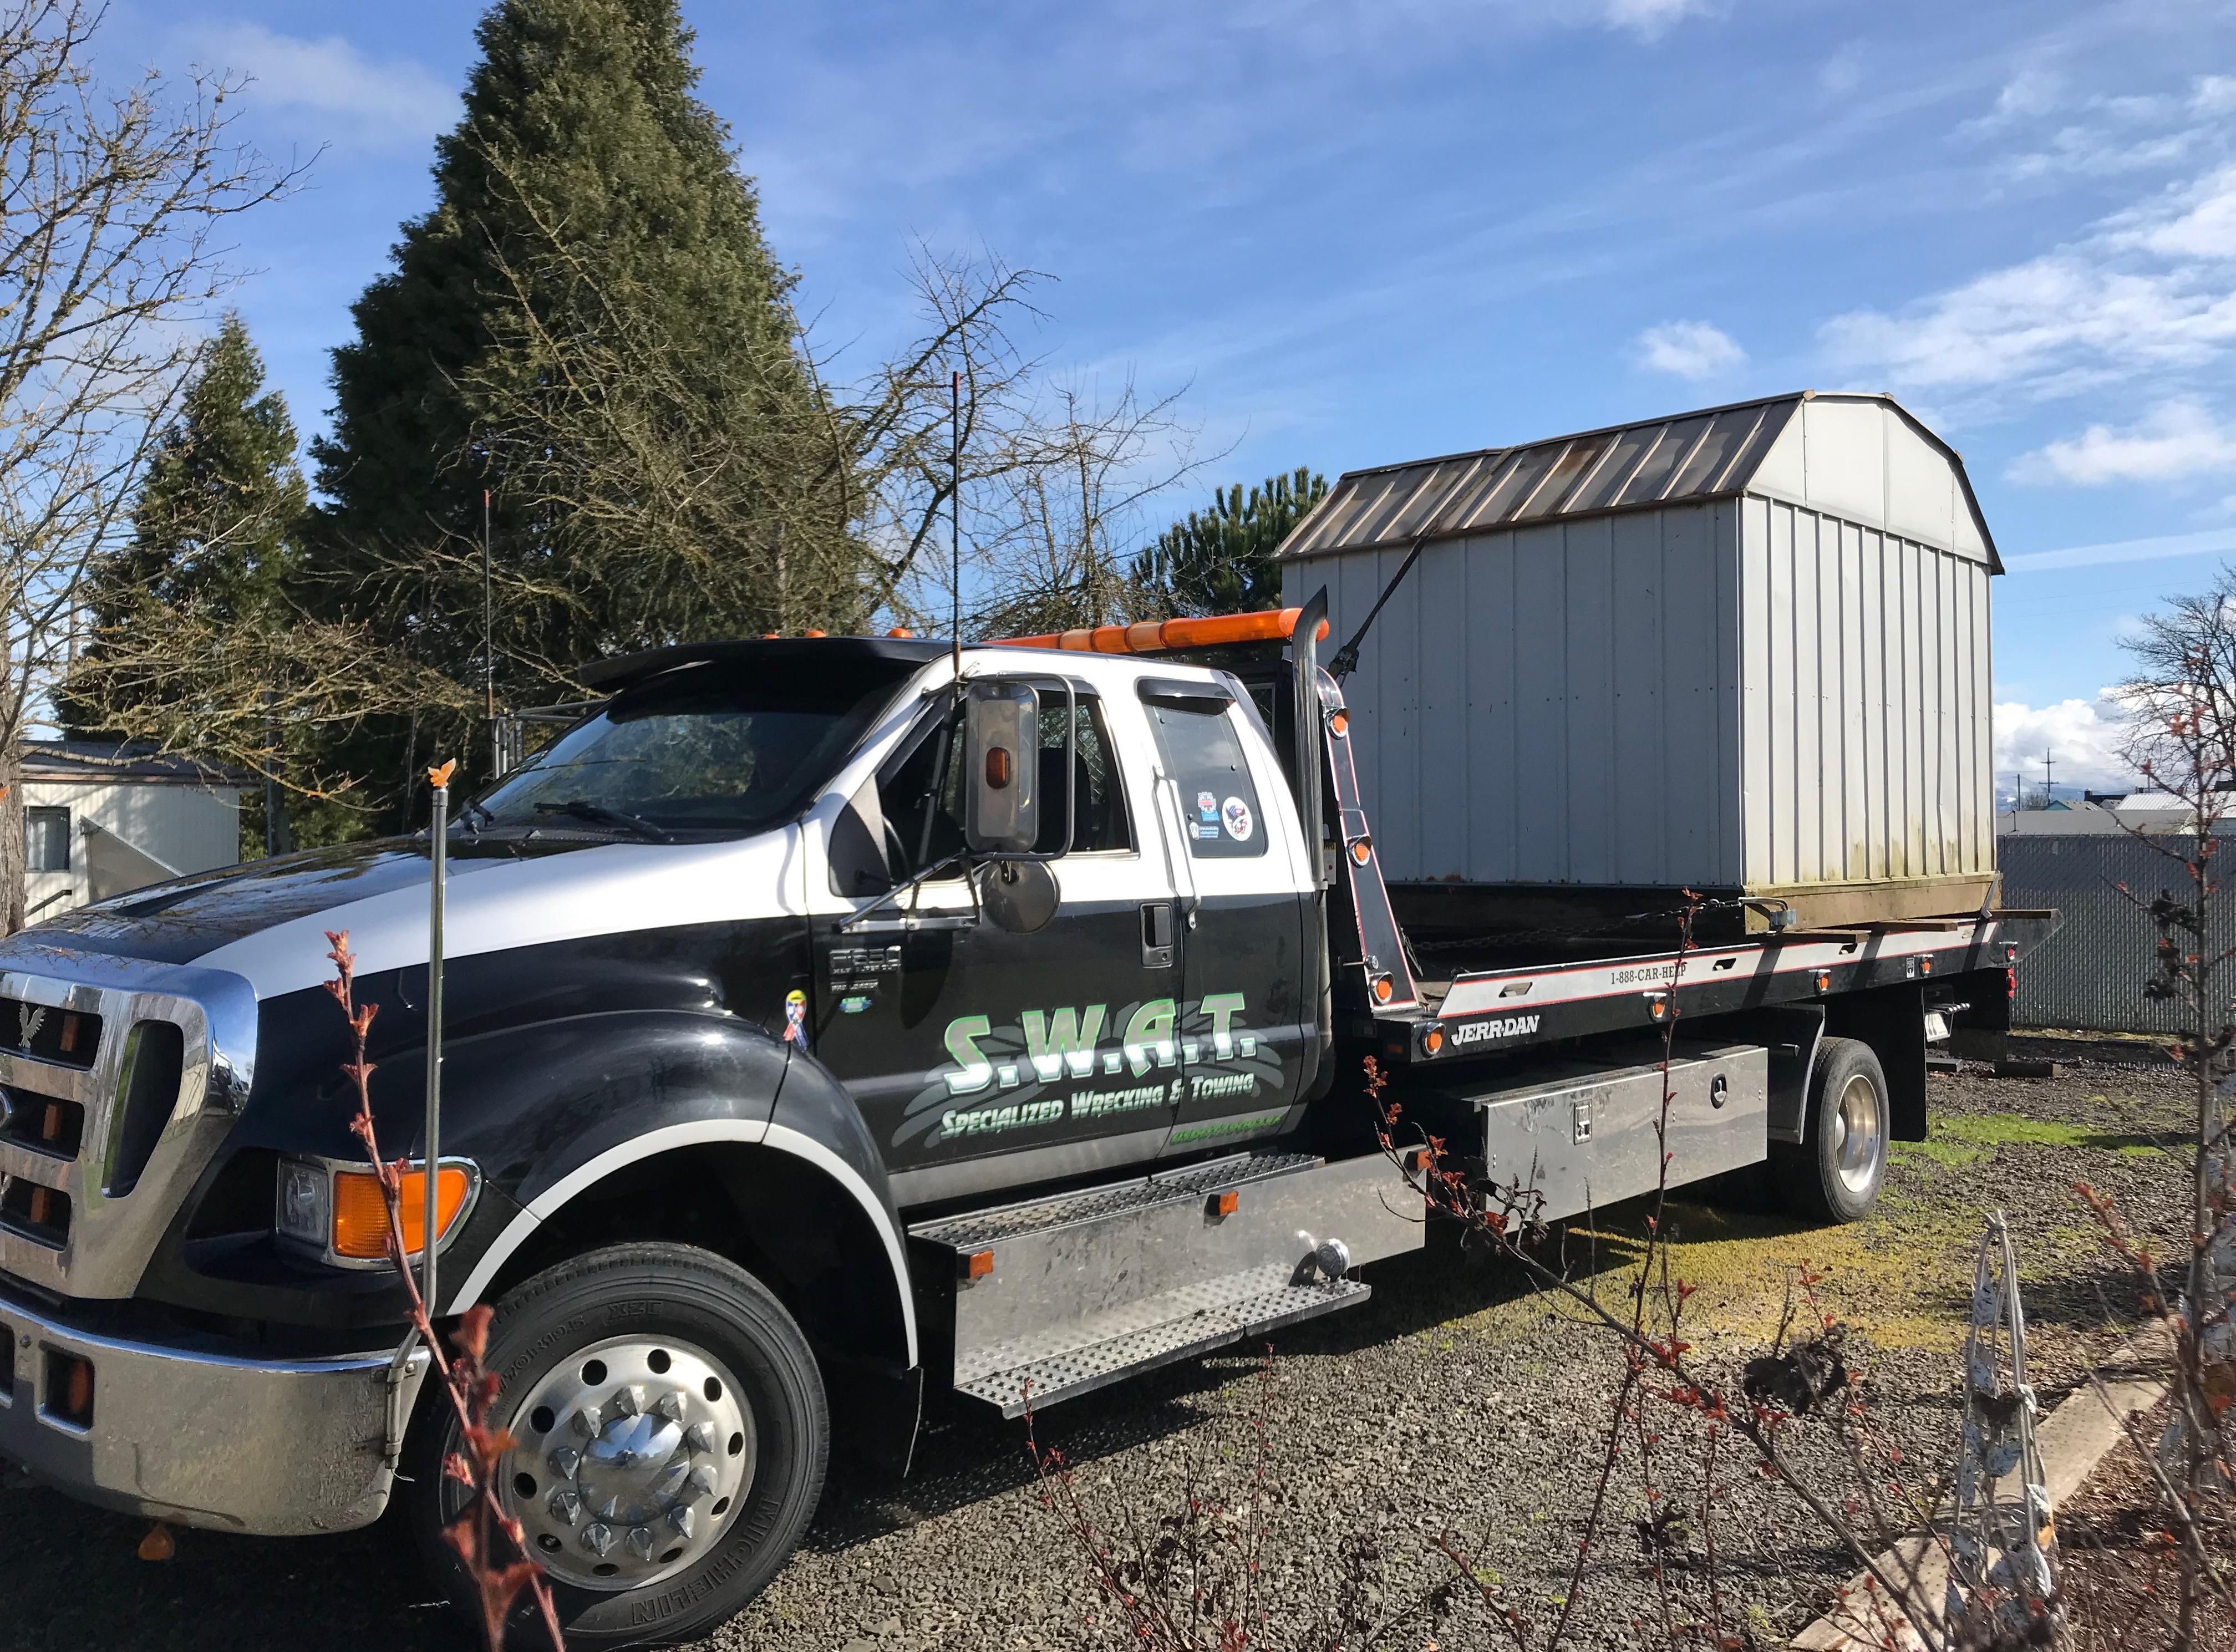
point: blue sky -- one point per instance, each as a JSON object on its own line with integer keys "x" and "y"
{"x": 1359, "y": 231}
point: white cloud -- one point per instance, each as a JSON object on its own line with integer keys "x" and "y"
{"x": 1649, "y": 18}
{"x": 393, "y": 100}
{"x": 1843, "y": 72}
{"x": 2213, "y": 95}
{"x": 2082, "y": 736}
{"x": 2218, "y": 542}
{"x": 2030, "y": 92}
{"x": 2178, "y": 438}
{"x": 1689, "y": 349}
{"x": 2149, "y": 287}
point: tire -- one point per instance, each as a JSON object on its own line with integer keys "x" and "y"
{"x": 1835, "y": 1174}
{"x": 705, "y": 1452}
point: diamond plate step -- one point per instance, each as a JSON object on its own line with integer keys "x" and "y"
{"x": 1079, "y": 1358}
{"x": 977, "y": 1228}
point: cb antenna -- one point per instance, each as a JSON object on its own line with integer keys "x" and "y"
{"x": 954, "y": 512}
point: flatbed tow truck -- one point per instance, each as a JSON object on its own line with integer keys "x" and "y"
{"x": 838, "y": 1030}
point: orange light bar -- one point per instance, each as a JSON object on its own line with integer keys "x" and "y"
{"x": 361, "y": 1219}
{"x": 1156, "y": 637}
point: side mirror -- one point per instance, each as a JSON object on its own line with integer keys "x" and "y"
{"x": 1001, "y": 768}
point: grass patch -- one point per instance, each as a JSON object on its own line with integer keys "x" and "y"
{"x": 1947, "y": 1155}
{"x": 1983, "y": 1132}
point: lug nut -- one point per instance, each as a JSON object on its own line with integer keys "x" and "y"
{"x": 566, "y": 1507}
{"x": 700, "y": 1436}
{"x": 669, "y": 1405}
{"x": 700, "y": 1485}
{"x": 627, "y": 1401}
{"x": 682, "y": 1519}
{"x": 597, "y": 1539}
{"x": 640, "y": 1541}
{"x": 565, "y": 1462}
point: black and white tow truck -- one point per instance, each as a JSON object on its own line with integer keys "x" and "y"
{"x": 835, "y": 1030}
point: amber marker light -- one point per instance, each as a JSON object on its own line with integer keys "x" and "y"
{"x": 1433, "y": 1040}
{"x": 361, "y": 1216}
{"x": 1381, "y": 989}
{"x": 1340, "y": 723}
{"x": 1362, "y": 850}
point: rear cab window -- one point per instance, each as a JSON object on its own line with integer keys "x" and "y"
{"x": 1202, "y": 752}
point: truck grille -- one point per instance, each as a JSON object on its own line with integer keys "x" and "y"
{"x": 107, "y": 1112}
{"x": 65, "y": 1037}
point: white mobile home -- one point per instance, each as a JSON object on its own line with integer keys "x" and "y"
{"x": 101, "y": 820}
{"x": 1743, "y": 650}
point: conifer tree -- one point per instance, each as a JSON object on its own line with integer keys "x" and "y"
{"x": 219, "y": 507}
{"x": 213, "y": 546}
{"x": 1220, "y": 560}
{"x": 589, "y": 325}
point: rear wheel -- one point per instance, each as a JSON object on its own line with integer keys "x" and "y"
{"x": 672, "y": 1435}
{"x": 1836, "y": 1172}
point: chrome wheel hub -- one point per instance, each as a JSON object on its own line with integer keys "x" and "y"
{"x": 632, "y": 1457}
{"x": 1857, "y": 1131}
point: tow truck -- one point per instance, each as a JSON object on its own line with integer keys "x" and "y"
{"x": 837, "y": 1032}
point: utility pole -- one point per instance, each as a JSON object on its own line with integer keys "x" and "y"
{"x": 2046, "y": 793}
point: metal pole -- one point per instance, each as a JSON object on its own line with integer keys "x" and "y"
{"x": 439, "y": 828}
{"x": 488, "y": 648}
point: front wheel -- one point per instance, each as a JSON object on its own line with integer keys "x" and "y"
{"x": 1835, "y": 1173}
{"x": 672, "y": 1437}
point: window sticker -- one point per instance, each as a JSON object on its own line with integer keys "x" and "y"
{"x": 795, "y": 1018}
{"x": 1235, "y": 814}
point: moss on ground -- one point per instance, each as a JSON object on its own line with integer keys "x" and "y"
{"x": 1902, "y": 1278}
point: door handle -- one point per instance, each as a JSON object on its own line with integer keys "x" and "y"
{"x": 1156, "y": 935}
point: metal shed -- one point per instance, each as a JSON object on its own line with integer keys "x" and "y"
{"x": 1742, "y": 651}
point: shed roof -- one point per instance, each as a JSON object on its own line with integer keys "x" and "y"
{"x": 1863, "y": 457}
{"x": 102, "y": 763}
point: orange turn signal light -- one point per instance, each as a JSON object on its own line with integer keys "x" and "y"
{"x": 1362, "y": 850}
{"x": 978, "y": 1264}
{"x": 1340, "y": 723}
{"x": 361, "y": 1216}
{"x": 1381, "y": 989}
{"x": 1225, "y": 1204}
{"x": 1433, "y": 1040}
{"x": 1823, "y": 980}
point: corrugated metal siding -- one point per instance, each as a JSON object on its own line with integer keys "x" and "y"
{"x": 1866, "y": 699}
{"x": 1555, "y": 703}
{"x": 2091, "y": 970}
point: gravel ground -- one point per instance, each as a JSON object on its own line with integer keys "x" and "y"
{"x": 1456, "y": 1401}
{"x": 2122, "y": 1589}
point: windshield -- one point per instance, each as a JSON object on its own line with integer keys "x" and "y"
{"x": 701, "y": 751}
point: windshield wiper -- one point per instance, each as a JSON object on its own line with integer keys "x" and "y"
{"x": 474, "y": 814}
{"x": 599, "y": 814}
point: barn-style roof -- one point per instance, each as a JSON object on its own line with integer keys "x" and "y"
{"x": 1864, "y": 458}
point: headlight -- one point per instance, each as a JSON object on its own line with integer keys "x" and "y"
{"x": 303, "y": 1203}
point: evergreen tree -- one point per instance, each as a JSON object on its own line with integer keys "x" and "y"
{"x": 589, "y": 325}
{"x": 214, "y": 522}
{"x": 213, "y": 535}
{"x": 1220, "y": 560}
{"x": 196, "y": 641}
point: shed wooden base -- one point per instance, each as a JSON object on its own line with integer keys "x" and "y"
{"x": 1439, "y": 910}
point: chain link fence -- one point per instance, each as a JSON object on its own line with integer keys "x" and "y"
{"x": 2089, "y": 974}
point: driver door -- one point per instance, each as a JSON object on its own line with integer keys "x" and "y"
{"x": 985, "y": 1056}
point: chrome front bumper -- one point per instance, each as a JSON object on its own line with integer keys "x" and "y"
{"x": 275, "y": 1447}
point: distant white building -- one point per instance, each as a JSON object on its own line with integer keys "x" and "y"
{"x": 101, "y": 820}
